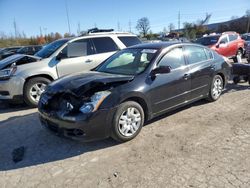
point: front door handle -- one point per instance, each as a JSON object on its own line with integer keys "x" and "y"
{"x": 212, "y": 67}
{"x": 186, "y": 76}
{"x": 88, "y": 61}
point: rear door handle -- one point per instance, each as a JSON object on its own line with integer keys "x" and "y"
{"x": 88, "y": 61}
{"x": 186, "y": 76}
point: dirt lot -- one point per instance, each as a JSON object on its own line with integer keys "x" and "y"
{"x": 202, "y": 145}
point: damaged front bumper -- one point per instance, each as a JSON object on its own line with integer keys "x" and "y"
{"x": 82, "y": 127}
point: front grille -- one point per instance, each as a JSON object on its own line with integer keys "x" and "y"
{"x": 4, "y": 93}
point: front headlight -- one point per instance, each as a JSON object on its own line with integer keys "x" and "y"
{"x": 7, "y": 73}
{"x": 96, "y": 101}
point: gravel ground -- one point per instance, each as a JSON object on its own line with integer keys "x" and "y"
{"x": 201, "y": 145}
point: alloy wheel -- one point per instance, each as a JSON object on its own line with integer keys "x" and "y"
{"x": 217, "y": 88}
{"x": 36, "y": 90}
{"x": 129, "y": 122}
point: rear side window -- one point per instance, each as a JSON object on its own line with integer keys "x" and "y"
{"x": 233, "y": 37}
{"x": 129, "y": 41}
{"x": 174, "y": 58}
{"x": 209, "y": 53}
{"x": 104, "y": 44}
{"x": 195, "y": 54}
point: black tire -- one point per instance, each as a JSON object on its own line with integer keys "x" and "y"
{"x": 236, "y": 79}
{"x": 115, "y": 132}
{"x": 211, "y": 96}
{"x": 27, "y": 87}
{"x": 240, "y": 53}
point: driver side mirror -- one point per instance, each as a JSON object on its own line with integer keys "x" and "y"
{"x": 161, "y": 70}
{"x": 60, "y": 56}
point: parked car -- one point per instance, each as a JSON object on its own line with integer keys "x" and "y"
{"x": 29, "y": 50}
{"x": 5, "y": 52}
{"x": 131, "y": 87}
{"x": 65, "y": 56}
{"x": 228, "y": 44}
{"x": 246, "y": 37}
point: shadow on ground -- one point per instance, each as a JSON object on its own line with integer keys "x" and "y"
{"x": 43, "y": 147}
{"x": 40, "y": 145}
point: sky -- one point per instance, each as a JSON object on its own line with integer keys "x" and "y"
{"x": 35, "y": 16}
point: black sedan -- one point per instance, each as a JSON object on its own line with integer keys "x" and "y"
{"x": 132, "y": 86}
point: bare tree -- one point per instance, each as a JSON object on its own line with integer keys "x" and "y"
{"x": 143, "y": 26}
{"x": 171, "y": 27}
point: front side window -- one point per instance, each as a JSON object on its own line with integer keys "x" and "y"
{"x": 224, "y": 39}
{"x": 128, "y": 62}
{"x": 104, "y": 44}
{"x": 78, "y": 48}
{"x": 195, "y": 54}
{"x": 174, "y": 59}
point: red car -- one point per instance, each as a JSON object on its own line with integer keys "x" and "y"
{"x": 228, "y": 44}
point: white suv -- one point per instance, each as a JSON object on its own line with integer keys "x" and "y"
{"x": 26, "y": 80}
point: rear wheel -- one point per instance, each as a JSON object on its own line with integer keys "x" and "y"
{"x": 216, "y": 88}
{"x": 33, "y": 90}
{"x": 238, "y": 56}
{"x": 128, "y": 121}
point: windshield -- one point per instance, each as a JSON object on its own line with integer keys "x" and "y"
{"x": 128, "y": 62}
{"x": 246, "y": 37}
{"x": 51, "y": 48}
{"x": 206, "y": 41}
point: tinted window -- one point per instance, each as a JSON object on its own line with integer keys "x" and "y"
{"x": 195, "y": 54}
{"x": 208, "y": 40}
{"x": 233, "y": 37}
{"x": 173, "y": 58}
{"x": 130, "y": 41}
{"x": 104, "y": 44}
{"x": 224, "y": 39}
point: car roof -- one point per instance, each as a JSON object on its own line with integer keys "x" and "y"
{"x": 158, "y": 45}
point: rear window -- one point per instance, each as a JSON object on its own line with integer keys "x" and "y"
{"x": 104, "y": 44}
{"x": 129, "y": 41}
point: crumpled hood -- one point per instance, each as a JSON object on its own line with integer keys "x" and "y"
{"x": 82, "y": 82}
{"x": 11, "y": 59}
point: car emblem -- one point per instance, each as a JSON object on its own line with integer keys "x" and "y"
{"x": 69, "y": 106}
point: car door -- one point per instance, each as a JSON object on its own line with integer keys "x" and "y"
{"x": 77, "y": 56}
{"x": 223, "y": 46}
{"x": 232, "y": 45}
{"x": 201, "y": 70}
{"x": 171, "y": 89}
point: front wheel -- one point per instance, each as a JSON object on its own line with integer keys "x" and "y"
{"x": 216, "y": 88}
{"x": 33, "y": 90}
{"x": 128, "y": 121}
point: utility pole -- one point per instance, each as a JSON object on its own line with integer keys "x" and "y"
{"x": 15, "y": 27}
{"x": 179, "y": 20}
{"x": 118, "y": 26}
{"x": 41, "y": 31}
{"x": 79, "y": 29}
{"x": 67, "y": 12}
{"x": 129, "y": 25}
{"x": 248, "y": 23}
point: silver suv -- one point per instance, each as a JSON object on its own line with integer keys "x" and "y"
{"x": 25, "y": 77}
